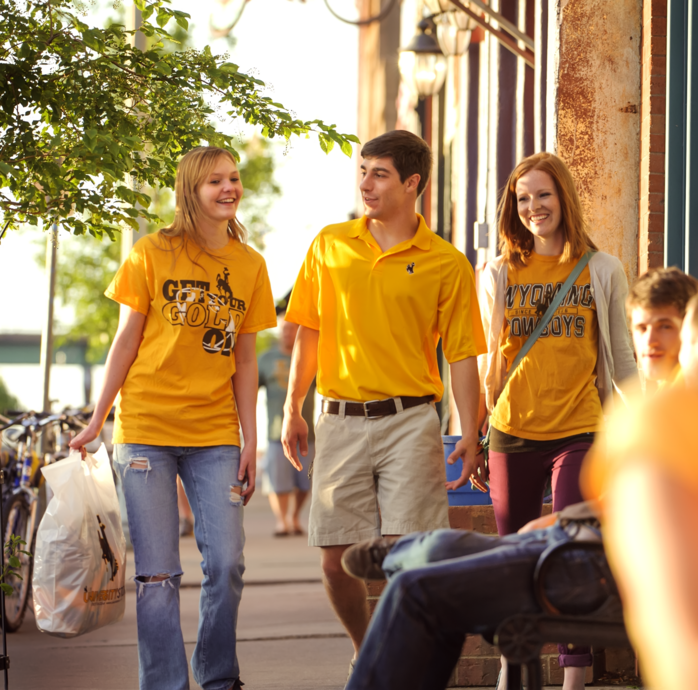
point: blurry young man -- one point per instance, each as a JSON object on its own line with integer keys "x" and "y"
{"x": 373, "y": 298}
{"x": 645, "y": 474}
{"x": 656, "y": 306}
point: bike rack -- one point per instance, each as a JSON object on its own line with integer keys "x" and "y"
{"x": 4, "y": 659}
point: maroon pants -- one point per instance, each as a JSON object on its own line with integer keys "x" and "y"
{"x": 517, "y": 483}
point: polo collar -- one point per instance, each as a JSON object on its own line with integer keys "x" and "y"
{"x": 422, "y": 238}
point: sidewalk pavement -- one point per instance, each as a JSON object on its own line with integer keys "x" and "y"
{"x": 288, "y": 637}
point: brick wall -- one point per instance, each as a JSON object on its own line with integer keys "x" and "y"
{"x": 478, "y": 665}
{"x": 652, "y": 135}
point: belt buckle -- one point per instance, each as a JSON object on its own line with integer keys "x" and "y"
{"x": 367, "y": 409}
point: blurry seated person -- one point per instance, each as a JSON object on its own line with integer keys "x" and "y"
{"x": 448, "y": 583}
{"x": 644, "y": 469}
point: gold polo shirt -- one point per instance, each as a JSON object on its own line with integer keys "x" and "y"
{"x": 381, "y": 314}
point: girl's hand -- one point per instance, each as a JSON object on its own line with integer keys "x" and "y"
{"x": 248, "y": 471}
{"x": 87, "y": 435}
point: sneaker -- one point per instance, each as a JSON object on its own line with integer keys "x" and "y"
{"x": 364, "y": 560}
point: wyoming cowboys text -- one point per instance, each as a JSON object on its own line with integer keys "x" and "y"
{"x": 526, "y": 304}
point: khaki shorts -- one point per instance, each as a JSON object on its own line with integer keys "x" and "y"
{"x": 377, "y": 476}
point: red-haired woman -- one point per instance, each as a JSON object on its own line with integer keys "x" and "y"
{"x": 544, "y": 419}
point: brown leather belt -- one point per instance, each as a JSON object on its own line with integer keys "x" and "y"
{"x": 374, "y": 408}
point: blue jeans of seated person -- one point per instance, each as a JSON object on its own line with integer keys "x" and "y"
{"x": 447, "y": 583}
{"x": 149, "y": 475}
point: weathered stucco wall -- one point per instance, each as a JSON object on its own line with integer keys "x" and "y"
{"x": 597, "y": 119}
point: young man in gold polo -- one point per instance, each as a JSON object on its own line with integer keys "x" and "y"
{"x": 372, "y": 299}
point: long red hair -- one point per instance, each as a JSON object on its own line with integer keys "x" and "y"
{"x": 515, "y": 240}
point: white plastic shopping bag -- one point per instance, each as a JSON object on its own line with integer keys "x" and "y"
{"x": 80, "y": 555}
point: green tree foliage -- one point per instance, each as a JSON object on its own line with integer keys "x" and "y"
{"x": 81, "y": 110}
{"x": 85, "y": 269}
{"x": 257, "y": 174}
{"x": 7, "y": 400}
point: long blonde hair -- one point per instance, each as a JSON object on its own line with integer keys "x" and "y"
{"x": 192, "y": 170}
{"x": 515, "y": 240}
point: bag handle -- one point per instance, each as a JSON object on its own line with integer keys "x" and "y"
{"x": 549, "y": 312}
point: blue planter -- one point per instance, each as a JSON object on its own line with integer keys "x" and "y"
{"x": 466, "y": 495}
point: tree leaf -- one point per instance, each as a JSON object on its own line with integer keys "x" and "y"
{"x": 347, "y": 148}
{"x": 163, "y": 68}
{"x": 181, "y": 19}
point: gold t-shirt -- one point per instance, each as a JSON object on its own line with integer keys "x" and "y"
{"x": 381, "y": 314}
{"x": 552, "y": 394}
{"x": 178, "y": 391}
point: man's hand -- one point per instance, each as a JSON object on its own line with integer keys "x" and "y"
{"x": 248, "y": 471}
{"x": 294, "y": 433}
{"x": 470, "y": 450}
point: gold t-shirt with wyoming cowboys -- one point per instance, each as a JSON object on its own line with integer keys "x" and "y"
{"x": 178, "y": 391}
{"x": 552, "y": 394}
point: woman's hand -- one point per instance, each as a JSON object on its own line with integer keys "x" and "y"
{"x": 474, "y": 468}
{"x": 245, "y": 384}
{"x": 87, "y": 435}
{"x": 248, "y": 471}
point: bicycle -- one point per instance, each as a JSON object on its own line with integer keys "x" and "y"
{"x": 20, "y": 497}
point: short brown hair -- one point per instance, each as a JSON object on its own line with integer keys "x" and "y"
{"x": 515, "y": 240}
{"x": 410, "y": 154}
{"x": 663, "y": 287}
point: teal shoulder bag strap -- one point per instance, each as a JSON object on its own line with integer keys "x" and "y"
{"x": 545, "y": 320}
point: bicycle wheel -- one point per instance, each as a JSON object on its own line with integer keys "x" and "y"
{"x": 17, "y": 520}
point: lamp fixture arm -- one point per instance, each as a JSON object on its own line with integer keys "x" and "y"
{"x": 506, "y": 40}
{"x": 369, "y": 20}
{"x": 503, "y": 22}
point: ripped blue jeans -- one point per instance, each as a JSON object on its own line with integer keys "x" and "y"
{"x": 149, "y": 475}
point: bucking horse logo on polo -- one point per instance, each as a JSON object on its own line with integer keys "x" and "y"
{"x": 191, "y": 303}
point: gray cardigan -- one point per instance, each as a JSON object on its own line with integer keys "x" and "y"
{"x": 615, "y": 363}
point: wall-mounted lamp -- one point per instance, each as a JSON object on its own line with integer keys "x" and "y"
{"x": 453, "y": 27}
{"x": 422, "y": 63}
{"x": 453, "y": 31}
